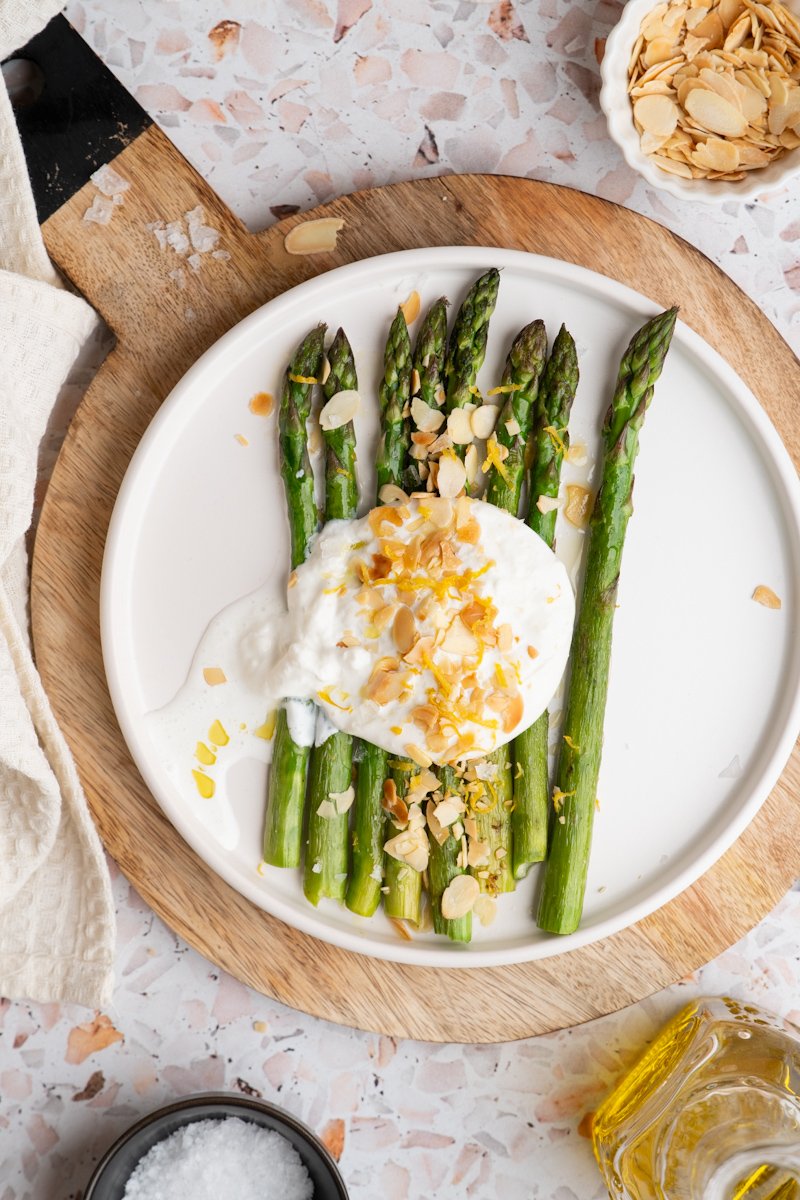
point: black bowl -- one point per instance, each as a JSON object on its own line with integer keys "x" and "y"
{"x": 116, "y": 1166}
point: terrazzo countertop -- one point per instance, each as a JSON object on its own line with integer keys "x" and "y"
{"x": 281, "y": 105}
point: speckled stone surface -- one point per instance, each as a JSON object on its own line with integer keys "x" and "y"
{"x": 281, "y": 105}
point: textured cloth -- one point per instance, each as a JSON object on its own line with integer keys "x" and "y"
{"x": 56, "y": 910}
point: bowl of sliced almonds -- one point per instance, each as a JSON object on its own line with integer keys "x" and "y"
{"x": 703, "y": 96}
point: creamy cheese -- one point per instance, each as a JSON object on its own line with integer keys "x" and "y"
{"x": 436, "y": 629}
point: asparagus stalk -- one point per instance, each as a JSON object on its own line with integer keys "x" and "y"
{"x": 402, "y": 899}
{"x": 442, "y": 870}
{"x": 394, "y": 395}
{"x": 523, "y": 370}
{"x": 521, "y": 375}
{"x": 286, "y": 790}
{"x": 549, "y": 441}
{"x": 366, "y": 870}
{"x": 369, "y": 821}
{"x": 428, "y": 368}
{"x": 331, "y": 771}
{"x": 561, "y": 902}
{"x": 467, "y": 348}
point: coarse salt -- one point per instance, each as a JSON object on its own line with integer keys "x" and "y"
{"x": 213, "y": 1158}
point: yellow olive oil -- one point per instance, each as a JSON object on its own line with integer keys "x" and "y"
{"x": 710, "y": 1112}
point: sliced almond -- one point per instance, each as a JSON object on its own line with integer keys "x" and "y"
{"x": 547, "y": 504}
{"x": 394, "y": 804}
{"x": 459, "y": 897}
{"x": 717, "y": 154}
{"x": 439, "y": 511}
{"x": 410, "y": 308}
{"x": 765, "y": 595}
{"x": 417, "y": 754}
{"x": 426, "y": 419}
{"x": 657, "y": 115}
{"x": 459, "y": 640}
{"x": 343, "y": 801}
{"x": 313, "y": 237}
{"x": 485, "y": 909}
{"x": 452, "y": 475}
{"x": 327, "y": 810}
{"x": 390, "y": 493}
{"x": 214, "y": 676}
{"x": 340, "y": 409}
{"x": 404, "y": 629}
{"x": 513, "y": 713}
{"x": 483, "y": 420}
{"x": 477, "y": 853}
{"x": 472, "y": 465}
{"x": 411, "y": 847}
{"x": 715, "y": 114}
{"x": 459, "y": 427}
{"x": 578, "y": 508}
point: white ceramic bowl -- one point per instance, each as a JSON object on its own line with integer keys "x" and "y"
{"x": 616, "y": 105}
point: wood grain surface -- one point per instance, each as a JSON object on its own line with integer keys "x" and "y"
{"x": 122, "y": 271}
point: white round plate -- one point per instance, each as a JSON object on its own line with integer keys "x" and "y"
{"x": 703, "y": 703}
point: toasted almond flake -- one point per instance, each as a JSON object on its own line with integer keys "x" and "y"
{"x": 547, "y": 504}
{"x": 400, "y": 926}
{"x": 340, "y": 409}
{"x": 459, "y": 897}
{"x": 439, "y": 511}
{"x": 452, "y": 475}
{"x": 343, "y": 800}
{"x": 292, "y": 582}
{"x": 410, "y": 308}
{"x": 459, "y": 427}
{"x": 417, "y": 754}
{"x": 765, "y": 595}
{"x": 411, "y": 847}
{"x": 578, "y": 508}
{"x": 485, "y": 909}
{"x": 656, "y": 114}
{"x": 512, "y": 427}
{"x": 483, "y": 420}
{"x": 513, "y": 713}
{"x": 477, "y": 853}
{"x": 390, "y": 493}
{"x": 715, "y": 114}
{"x": 326, "y": 370}
{"x": 313, "y": 237}
{"x": 504, "y": 638}
{"x": 533, "y": 652}
{"x": 472, "y": 465}
{"x": 404, "y": 629}
{"x": 426, "y": 419}
{"x": 717, "y": 154}
{"x": 214, "y": 676}
{"x": 577, "y": 454}
{"x": 327, "y": 810}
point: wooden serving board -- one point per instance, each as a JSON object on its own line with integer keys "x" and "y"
{"x": 124, "y": 274}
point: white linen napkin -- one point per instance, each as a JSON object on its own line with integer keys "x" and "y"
{"x": 56, "y": 909}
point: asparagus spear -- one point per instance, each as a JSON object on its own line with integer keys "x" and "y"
{"x": 402, "y": 900}
{"x": 561, "y": 902}
{"x": 467, "y": 348}
{"x": 522, "y": 372}
{"x": 550, "y": 439}
{"x": 428, "y": 363}
{"x": 404, "y": 885}
{"x": 286, "y": 790}
{"x": 394, "y": 395}
{"x": 332, "y": 760}
{"x": 442, "y": 870}
{"x": 369, "y": 821}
